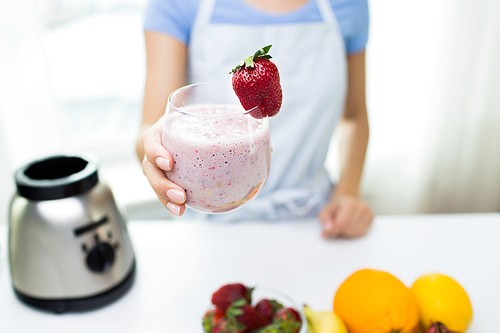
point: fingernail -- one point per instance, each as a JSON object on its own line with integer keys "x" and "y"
{"x": 173, "y": 208}
{"x": 163, "y": 163}
{"x": 329, "y": 226}
{"x": 175, "y": 195}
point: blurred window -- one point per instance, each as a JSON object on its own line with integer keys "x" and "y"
{"x": 71, "y": 81}
{"x": 96, "y": 65}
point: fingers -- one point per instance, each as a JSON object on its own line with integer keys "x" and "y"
{"x": 330, "y": 230}
{"x": 154, "y": 151}
{"x": 359, "y": 223}
{"x": 347, "y": 217}
{"x": 171, "y": 195}
{"x": 328, "y": 220}
{"x": 156, "y": 161}
{"x": 341, "y": 213}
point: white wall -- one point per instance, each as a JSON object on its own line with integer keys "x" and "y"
{"x": 6, "y": 182}
{"x": 400, "y": 64}
{"x": 24, "y": 88}
{"x": 464, "y": 167}
{"x": 401, "y": 56}
{"x": 433, "y": 86}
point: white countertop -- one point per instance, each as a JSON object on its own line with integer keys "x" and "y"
{"x": 181, "y": 263}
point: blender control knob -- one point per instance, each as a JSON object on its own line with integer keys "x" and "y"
{"x": 101, "y": 257}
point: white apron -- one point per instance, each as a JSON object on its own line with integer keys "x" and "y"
{"x": 311, "y": 59}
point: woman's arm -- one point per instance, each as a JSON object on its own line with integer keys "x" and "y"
{"x": 346, "y": 214}
{"x": 165, "y": 72}
{"x": 354, "y": 128}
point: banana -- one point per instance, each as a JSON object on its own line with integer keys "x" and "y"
{"x": 323, "y": 322}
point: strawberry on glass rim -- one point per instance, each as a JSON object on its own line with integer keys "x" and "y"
{"x": 256, "y": 82}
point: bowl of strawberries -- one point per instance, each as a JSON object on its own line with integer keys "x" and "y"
{"x": 237, "y": 308}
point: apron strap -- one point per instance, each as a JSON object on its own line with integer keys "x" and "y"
{"x": 204, "y": 13}
{"x": 326, "y": 11}
{"x": 299, "y": 202}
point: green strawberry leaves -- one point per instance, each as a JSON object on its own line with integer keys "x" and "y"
{"x": 281, "y": 327}
{"x": 249, "y": 62}
{"x": 208, "y": 323}
{"x": 234, "y": 309}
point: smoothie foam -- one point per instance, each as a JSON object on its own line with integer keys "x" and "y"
{"x": 222, "y": 163}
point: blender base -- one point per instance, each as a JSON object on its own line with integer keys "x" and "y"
{"x": 80, "y": 304}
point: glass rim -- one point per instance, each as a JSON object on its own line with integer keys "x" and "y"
{"x": 189, "y": 86}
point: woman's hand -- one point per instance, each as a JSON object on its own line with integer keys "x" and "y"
{"x": 345, "y": 216}
{"x": 165, "y": 71}
{"x": 157, "y": 160}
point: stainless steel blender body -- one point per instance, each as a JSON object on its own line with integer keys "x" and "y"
{"x": 69, "y": 248}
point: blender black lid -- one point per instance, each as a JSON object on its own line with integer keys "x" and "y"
{"x": 56, "y": 177}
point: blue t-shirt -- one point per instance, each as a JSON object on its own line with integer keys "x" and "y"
{"x": 176, "y": 17}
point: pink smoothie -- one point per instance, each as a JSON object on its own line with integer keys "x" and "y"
{"x": 222, "y": 163}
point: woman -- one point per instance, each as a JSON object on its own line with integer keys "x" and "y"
{"x": 322, "y": 68}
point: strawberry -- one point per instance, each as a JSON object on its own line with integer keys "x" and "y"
{"x": 438, "y": 328}
{"x": 268, "y": 308}
{"x": 228, "y": 325}
{"x": 256, "y": 82}
{"x": 288, "y": 319}
{"x": 247, "y": 315}
{"x": 210, "y": 319}
{"x": 272, "y": 328}
{"x": 229, "y": 293}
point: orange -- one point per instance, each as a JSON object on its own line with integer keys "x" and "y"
{"x": 374, "y": 301}
{"x": 441, "y": 298}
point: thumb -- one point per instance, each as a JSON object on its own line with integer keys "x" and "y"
{"x": 328, "y": 211}
{"x": 154, "y": 151}
{"x": 328, "y": 218}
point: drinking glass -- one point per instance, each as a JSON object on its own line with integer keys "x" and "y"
{"x": 221, "y": 153}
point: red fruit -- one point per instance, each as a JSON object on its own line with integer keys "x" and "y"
{"x": 227, "y": 325}
{"x": 210, "y": 319}
{"x": 247, "y": 315}
{"x": 251, "y": 318}
{"x": 268, "y": 308}
{"x": 439, "y": 328}
{"x": 287, "y": 314}
{"x": 230, "y": 293}
{"x": 256, "y": 82}
{"x": 288, "y": 319}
